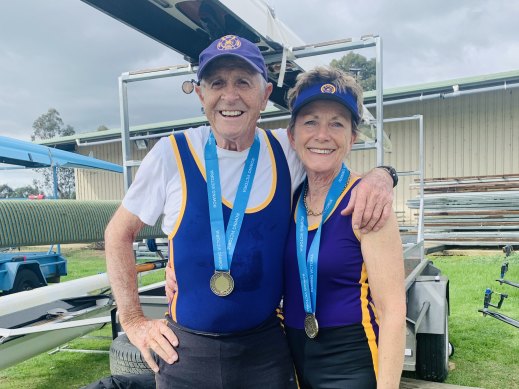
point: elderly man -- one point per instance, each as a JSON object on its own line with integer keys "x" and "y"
{"x": 225, "y": 193}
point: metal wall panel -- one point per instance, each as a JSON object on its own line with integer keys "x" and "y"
{"x": 99, "y": 185}
{"x": 468, "y": 135}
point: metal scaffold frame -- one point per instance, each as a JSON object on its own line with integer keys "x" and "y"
{"x": 294, "y": 53}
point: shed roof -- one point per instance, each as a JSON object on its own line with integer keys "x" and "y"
{"x": 447, "y": 86}
{"x": 390, "y": 94}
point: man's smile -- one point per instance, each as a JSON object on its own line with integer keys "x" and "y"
{"x": 231, "y": 113}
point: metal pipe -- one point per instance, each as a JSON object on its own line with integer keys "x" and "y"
{"x": 380, "y": 100}
{"x": 273, "y": 119}
{"x": 422, "y": 97}
{"x": 420, "y": 235}
{"x": 151, "y": 74}
{"x": 125, "y": 133}
{"x": 102, "y": 142}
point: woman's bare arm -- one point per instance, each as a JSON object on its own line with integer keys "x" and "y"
{"x": 382, "y": 252}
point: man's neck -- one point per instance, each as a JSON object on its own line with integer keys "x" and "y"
{"x": 240, "y": 144}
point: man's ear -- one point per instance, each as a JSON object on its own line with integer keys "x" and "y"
{"x": 291, "y": 139}
{"x": 268, "y": 90}
{"x": 198, "y": 91}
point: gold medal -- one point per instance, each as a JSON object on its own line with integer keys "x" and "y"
{"x": 221, "y": 283}
{"x": 311, "y": 325}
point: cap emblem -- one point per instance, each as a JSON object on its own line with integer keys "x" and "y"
{"x": 328, "y": 88}
{"x": 228, "y": 42}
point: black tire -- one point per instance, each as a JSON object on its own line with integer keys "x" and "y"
{"x": 125, "y": 358}
{"x": 432, "y": 356}
{"x": 54, "y": 280}
{"x": 25, "y": 279}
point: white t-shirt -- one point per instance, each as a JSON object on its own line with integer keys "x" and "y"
{"x": 157, "y": 187}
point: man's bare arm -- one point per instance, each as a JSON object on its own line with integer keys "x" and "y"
{"x": 144, "y": 333}
{"x": 371, "y": 201}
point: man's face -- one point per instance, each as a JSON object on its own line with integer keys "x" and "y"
{"x": 233, "y": 95}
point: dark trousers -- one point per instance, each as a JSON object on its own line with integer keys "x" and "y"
{"x": 338, "y": 358}
{"x": 258, "y": 358}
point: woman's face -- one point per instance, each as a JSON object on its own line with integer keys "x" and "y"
{"x": 322, "y": 136}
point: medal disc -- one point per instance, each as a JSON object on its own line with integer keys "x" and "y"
{"x": 311, "y": 326}
{"x": 221, "y": 283}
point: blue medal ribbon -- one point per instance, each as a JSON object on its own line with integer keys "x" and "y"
{"x": 308, "y": 264}
{"x": 224, "y": 242}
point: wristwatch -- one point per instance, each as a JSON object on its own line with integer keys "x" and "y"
{"x": 392, "y": 172}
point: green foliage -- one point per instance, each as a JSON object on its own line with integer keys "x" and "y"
{"x": 6, "y": 192}
{"x": 360, "y": 67}
{"x": 50, "y": 125}
{"x": 25, "y": 191}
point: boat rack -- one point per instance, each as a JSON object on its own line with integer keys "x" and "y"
{"x": 508, "y": 250}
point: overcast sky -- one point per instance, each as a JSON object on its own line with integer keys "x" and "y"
{"x": 66, "y": 55}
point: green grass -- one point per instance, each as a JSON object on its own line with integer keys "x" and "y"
{"x": 71, "y": 369}
{"x": 486, "y": 350}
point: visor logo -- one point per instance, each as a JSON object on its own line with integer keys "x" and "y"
{"x": 228, "y": 42}
{"x": 328, "y": 88}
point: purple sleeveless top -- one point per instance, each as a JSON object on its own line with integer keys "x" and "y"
{"x": 343, "y": 295}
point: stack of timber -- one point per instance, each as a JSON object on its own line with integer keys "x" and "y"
{"x": 471, "y": 211}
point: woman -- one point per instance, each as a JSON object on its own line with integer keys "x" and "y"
{"x": 343, "y": 331}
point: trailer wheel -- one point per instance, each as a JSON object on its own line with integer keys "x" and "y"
{"x": 54, "y": 280}
{"x": 432, "y": 358}
{"x": 25, "y": 279}
{"x": 125, "y": 358}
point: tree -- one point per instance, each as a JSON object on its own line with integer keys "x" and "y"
{"x": 25, "y": 191}
{"x": 50, "y": 125}
{"x": 5, "y": 191}
{"x": 360, "y": 67}
{"x": 47, "y": 126}
{"x": 102, "y": 128}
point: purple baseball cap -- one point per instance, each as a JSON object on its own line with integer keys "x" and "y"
{"x": 235, "y": 46}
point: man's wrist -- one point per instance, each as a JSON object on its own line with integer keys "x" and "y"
{"x": 392, "y": 173}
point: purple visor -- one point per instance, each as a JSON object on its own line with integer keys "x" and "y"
{"x": 326, "y": 91}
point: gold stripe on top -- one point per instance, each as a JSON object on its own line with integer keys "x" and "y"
{"x": 274, "y": 180}
{"x": 366, "y": 318}
{"x": 171, "y": 262}
{"x": 182, "y": 182}
{"x": 272, "y": 183}
{"x": 173, "y": 304}
{"x": 351, "y": 181}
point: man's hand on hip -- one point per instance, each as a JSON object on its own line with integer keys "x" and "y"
{"x": 152, "y": 335}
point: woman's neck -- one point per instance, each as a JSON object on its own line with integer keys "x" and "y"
{"x": 319, "y": 184}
